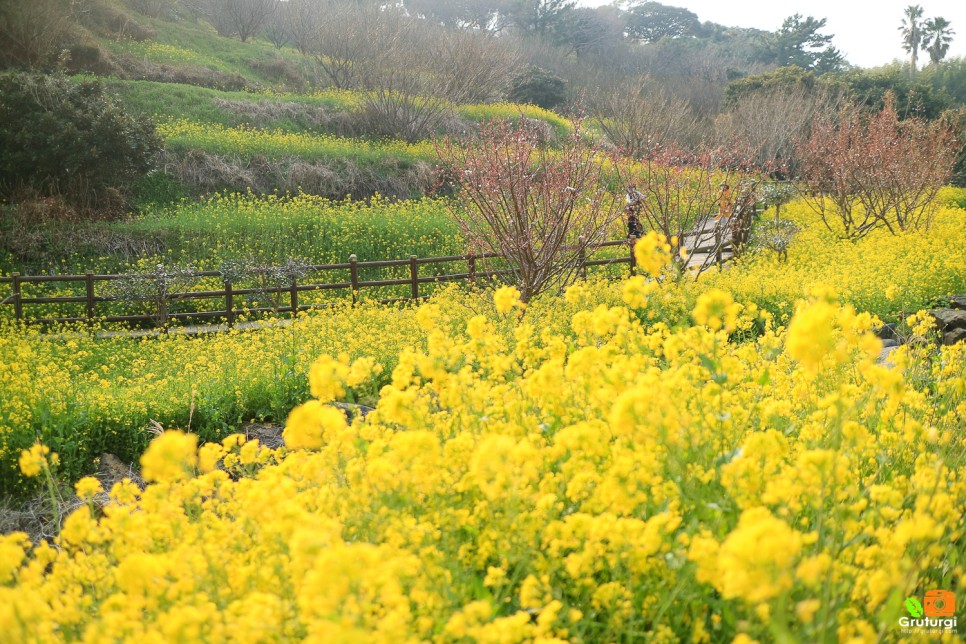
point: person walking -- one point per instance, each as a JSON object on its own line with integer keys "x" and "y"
{"x": 632, "y": 210}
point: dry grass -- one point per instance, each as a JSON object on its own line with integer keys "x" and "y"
{"x": 204, "y": 173}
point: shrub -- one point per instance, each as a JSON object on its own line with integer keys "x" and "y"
{"x": 541, "y": 208}
{"x": 643, "y": 116}
{"x": 69, "y": 139}
{"x": 538, "y": 87}
{"x": 864, "y": 173}
{"x": 31, "y": 31}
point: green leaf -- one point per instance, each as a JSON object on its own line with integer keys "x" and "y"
{"x": 914, "y": 607}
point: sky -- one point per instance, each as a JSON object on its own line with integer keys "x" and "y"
{"x": 866, "y": 31}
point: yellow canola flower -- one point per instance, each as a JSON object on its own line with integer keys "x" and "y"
{"x": 544, "y": 480}
{"x": 36, "y": 459}
{"x": 757, "y": 560}
{"x": 170, "y": 457}
{"x": 652, "y": 252}
{"x": 505, "y": 298}
{"x": 88, "y": 487}
{"x": 327, "y": 378}
{"x": 716, "y": 310}
{"x": 311, "y": 424}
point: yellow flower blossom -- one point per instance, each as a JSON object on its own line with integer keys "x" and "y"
{"x": 170, "y": 457}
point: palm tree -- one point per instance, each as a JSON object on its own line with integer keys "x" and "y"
{"x": 912, "y": 33}
{"x": 936, "y": 36}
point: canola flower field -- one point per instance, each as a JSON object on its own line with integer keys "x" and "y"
{"x": 636, "y": 460}
{"x": 175, "y": 101}
{"x": 247, "y": 142}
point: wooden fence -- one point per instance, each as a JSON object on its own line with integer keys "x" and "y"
{"x": 229, "y": 309}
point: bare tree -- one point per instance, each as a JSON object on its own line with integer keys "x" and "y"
{"x": 643, "y": 116}
{"x": 770, "y": 120}
{"x": 402, "y": 100}
{"x": 691, "y": 197}
{"x": 345, "y": 36}
{"x": 243, "y": 18}
{"x": 31, "y": 31}
{"x": 302, "y": 20}
{"x": 542, "y": 209}
{"x": 468, "y": 67}
{"x": 866, "y": 173}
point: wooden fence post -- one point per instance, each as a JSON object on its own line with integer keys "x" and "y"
{"x": 229, "y": 305}
{"x": 354, "y": 275}
{"x": 633, "y": 263}
{"x": 717, "y": 242}
{"x": 414, "y": 276}
{"x": 294, "y": 296}
{"x": 17, "y": 304}
{"x": 582, "y": 257}
{"x": 471, "y": 266}
{"x": 89, "y": 281}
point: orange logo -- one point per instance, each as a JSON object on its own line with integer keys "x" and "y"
{"x": 939, "y": 603}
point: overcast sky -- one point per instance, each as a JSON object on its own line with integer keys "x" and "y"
{"x": 866, "y": 31}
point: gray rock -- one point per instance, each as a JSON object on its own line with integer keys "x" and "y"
{"x": 958, "y": 302}
{"x": 885, "y": 356}
{"x": 887, "y": 332}
{"x": 352, "y": 410}
{"x": 889, "y": 343}
{"x": 952, "y": 337}
{"x": 949, "y": 319}
{"x": 267, "y": 434}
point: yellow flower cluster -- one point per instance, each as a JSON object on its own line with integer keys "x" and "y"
{"x": 506, "y": 298}
{"x": 592, "y": 478}
{"x": 36, "y": 459}
{"x": 279, "y": 143}
{"x": 652, "y": 252}
{"x": 881, "y": 273}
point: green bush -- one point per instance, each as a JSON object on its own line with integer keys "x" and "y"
{"x": 71, "y": 140}
{"x": 538, "y": 87}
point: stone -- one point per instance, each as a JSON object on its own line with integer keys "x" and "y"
{"x": 958, "y": 302}
{"x": 887, "y": 332}
{"x": 352, "y": 410}
{"x": 267, "y": 434}
{"x": 886, "y": 344}
{"x": 884, "y": 356}
{"x": 111, "y": 469}
{"x": 952, "y": 337}
{"x": 949, "y": 319}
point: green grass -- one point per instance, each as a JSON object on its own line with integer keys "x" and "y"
{"x": 177, "y": 101}
{"x": 197, "y": 44}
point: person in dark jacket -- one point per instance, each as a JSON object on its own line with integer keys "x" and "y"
{"x": 632, "y": 209}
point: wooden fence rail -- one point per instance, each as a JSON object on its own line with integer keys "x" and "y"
{"x": 228, "y": 294}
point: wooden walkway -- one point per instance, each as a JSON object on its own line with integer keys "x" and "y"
{"x": 709, "y": 245}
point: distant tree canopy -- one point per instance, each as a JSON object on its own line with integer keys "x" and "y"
{"x": 798, "y": 42}
{"x": 912, "y": 98}
{"x": 937, "y": 36}
{"x": 869, "y": 87}
{"x": 591, "y": 31}
{"x": 543, "y": 17}
{"x": 472, "y": 14}
{"x": 792, "y": 77}
{"x": 649, "y": 22}
{"x": 949, "y": 75}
